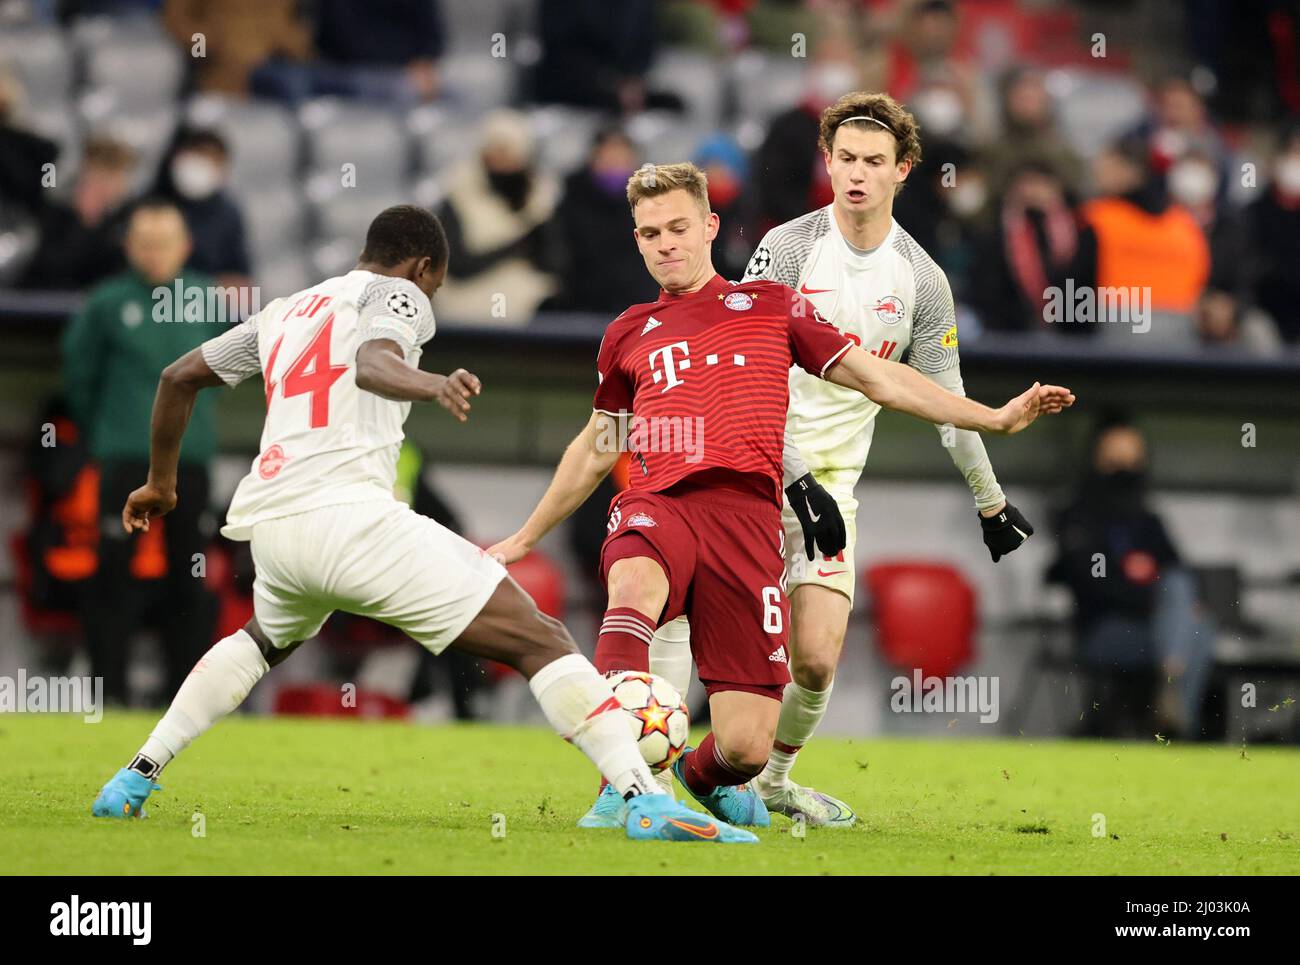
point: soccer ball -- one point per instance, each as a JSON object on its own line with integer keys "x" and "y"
{"x": 656, "y": 716}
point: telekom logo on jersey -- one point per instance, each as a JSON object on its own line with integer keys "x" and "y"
{"x": 665, "y": 365}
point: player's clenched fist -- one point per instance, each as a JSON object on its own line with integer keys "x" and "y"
{"x": 455, "y": 392}
{"x": 1029, "y": 405}
{"x": 145, "y": 503}
{"x": 509, "y": 550}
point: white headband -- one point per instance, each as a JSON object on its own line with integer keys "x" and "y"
{"x": 862, "y": 117}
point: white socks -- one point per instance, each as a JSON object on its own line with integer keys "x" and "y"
{"x": 670, "y": 658}
{"x": 582, "y": 708}
{"x": 217, "y": 685}
{"x": 801, "y": 711}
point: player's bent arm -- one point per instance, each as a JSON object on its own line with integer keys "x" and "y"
{"x": 967, "y": 451}
{"x": 900, "y": 387}
{"x": 382, "y": 369}
{"x": 587, "y": 460}
{"x": 173, "y": 404}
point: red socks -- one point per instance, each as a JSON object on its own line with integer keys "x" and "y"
{"x": 624, "y": 641}
{"x": 704, "y": 769}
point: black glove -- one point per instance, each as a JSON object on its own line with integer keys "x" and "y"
{"x": 818, "y": 515}
{"x": 1005, "y": 531}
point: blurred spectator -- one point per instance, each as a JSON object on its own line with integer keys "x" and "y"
{"x": 1273, "y": 230}
{"x": 128, "y": 331}
{"x": 81, "y": 242}
{"x": 193, "y": 177}
{"x": 384, "y": 51}
{"x": 1178, "y": 125}
{"x": 596, "y": 54}
{"x": 791, "y": 173}
{"x": 1036, "y": 241}
{"x": 724, "y": 164}
{"x": 1029, "y": 132}
{"x": 238, "y": 37}
{"x": 496, "y": 211}
{"x": 945, "y": 206}
{"x": 1136, "y": 611}
{"x": 601, "y": 269}
{"x": 1144, "y": 242}
{"x": 22, "y": 153}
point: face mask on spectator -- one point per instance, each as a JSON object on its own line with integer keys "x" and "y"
{"x": 1192, "y": 182}
{"x": 967, "y": 197}
{"x": 512, "y": 186}
{"x": 1288, "y": 175}
{"x": 196, "y": 177}
{"x": 939, "y": 110}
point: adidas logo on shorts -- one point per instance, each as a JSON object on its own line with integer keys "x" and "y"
{"x": 779, "y": 656}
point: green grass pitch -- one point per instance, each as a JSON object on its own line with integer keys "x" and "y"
{"x": 296, "y": 796}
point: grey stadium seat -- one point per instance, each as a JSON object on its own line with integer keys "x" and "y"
{"x": 144, "y": 73}
{"x": 476, "y": 83}
{"x": 348, "y": 214}
{"x": 696, "y": 79}
{"x": 41, "y": 60}
{"x": 375, "y": 141}
{"x": 564, "y": 136}
{"x": 265, "y": 141}
{"x": 149, "y": 133}
{"x": 767, "y": 84}
{"x": 470, "y": 24}
{"x": 290, "y": 272}
{"x": 1095, "y": 108}
{"x": 275, "y": 221}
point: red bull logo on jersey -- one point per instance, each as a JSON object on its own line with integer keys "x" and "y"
{"x": 738, "y": 302}
{"x": 272, "y": 461}
{"x": 889, "y": 309}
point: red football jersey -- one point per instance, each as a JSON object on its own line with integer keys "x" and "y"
{"x": 705, "y": 377}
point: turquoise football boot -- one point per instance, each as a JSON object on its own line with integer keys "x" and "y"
{"x": 609, "y": 811}
{"x": 123, "y": 796}
{"x": 657, "y": 817}
{"x": 736, "y": 805}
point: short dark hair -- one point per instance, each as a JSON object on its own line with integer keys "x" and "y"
{"x": 405, "y": 231}
{"x": 201, "y": 137}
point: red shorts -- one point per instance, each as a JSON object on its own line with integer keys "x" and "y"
{"x": 723, "y": 552}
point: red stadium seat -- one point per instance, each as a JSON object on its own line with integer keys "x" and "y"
{"x": 543, "y": 580}
{"x": 923, "y": 614}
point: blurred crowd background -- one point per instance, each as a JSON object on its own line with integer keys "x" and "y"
{"x": 249, "y": 142}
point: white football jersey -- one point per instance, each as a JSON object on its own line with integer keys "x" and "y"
{"x": 893, "y": 302}
{"x": 325, "y": 442}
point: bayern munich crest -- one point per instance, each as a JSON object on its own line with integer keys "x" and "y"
{"x": 738, "y": 302}
{"x": 889, "y": 309}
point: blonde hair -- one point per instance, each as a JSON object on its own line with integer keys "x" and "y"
{"x": 884, "y": 111}
{"x": 652, "y": 180}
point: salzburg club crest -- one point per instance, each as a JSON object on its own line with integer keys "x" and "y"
{"x": 738, "y": 302}
{"x": 889, "y": 309}
{"x": 272, "y": 461}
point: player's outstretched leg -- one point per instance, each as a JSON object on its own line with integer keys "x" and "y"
{"x": 818, "y": 621}
{"x": 718, "y": 772}
{"x": 580, "y": 705}
{"x": 217, "y": 685}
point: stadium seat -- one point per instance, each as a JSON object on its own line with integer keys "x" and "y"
{"x": 348, "y": 214}
{"x": 663, "y": 138}
{"x": 693, "y": 77}
{"x": 477, "y": 82}
{"x": 143, "y": 73}
{"x": 375, "y": 141}
{"x": 766, "y": 85}
{"x": 42, "y": 62}
{"x": 264, "y": 139}
{"x": 924, "y": 615}
{"x": 275, "y": 221}
{"x": 470, "y": 24}
{"x": 1094, "y": 108}
{"x": 148, "y": 133}
{"x": 285, "y": 274}
{"x": 564, "y": 136}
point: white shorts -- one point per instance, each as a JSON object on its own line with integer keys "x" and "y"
{"x": 376, "y": 559}
{"x": 833, "y": 572}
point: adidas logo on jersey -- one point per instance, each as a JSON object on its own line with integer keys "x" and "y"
{"x": 651, "y": 325}
{"x": 779, "y": 656}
